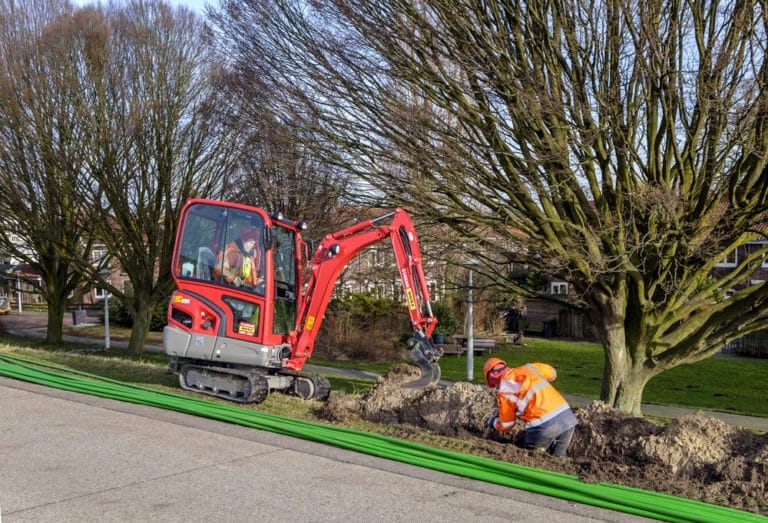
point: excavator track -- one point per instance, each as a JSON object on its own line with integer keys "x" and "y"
{"x": 238, "y": 385}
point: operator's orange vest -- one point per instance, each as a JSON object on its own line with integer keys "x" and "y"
{"x": 536, "y": 402}
{"x": 231, "y": 263}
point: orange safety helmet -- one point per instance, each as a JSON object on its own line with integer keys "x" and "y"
{"x": 492, "y": 371}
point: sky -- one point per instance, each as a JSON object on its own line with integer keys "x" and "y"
{"x": 197, "y": 5}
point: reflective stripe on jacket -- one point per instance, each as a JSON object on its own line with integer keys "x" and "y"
{"x": 231, "y": 264}
{"x": 525, "y": 392}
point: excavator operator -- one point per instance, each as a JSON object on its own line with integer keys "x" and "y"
{"x": 239, "y": 264}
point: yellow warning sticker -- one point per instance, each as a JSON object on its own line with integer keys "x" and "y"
{"x": 310, "y": 323}
{"x": 249, "y": 329}
{"x": 411, "y": 300}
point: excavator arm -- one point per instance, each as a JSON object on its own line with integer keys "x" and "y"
{"x": 330, "y": 258}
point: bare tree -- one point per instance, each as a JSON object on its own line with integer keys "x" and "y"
{"x": 279, "y": 173}
{"x": 41, "y": 150}
{"x": 157, "y": 140}
{"x": 279, "y": 169}
{"x": 615, "y": 145}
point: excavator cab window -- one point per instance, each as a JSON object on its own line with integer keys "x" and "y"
{"x": 245, "y": 315}
{"x": 286, "y": 280}
{"x": 223, "y": 246}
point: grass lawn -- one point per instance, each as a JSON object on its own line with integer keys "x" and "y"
{"x": 725, "y": 384}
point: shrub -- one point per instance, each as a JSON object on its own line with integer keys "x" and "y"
{"x": 447, "y": 322}
{"x": 120, "y": 316}
{"x": 363, "y": 327}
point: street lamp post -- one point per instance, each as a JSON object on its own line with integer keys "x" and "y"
{"x": 18, "y": 288}
{"x": 470, "y": 333}
{"x": 106, "y": 320}
{"x": 104, "y": 273}
{"x": 471, "y": 264}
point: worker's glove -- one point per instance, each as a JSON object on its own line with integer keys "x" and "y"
{"x": 237, "y": 282}
{"x": 491, "y": 423}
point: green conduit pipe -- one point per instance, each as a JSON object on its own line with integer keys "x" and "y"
{"x": 614, "y": 497}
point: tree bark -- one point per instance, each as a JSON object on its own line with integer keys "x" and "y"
{"x": 623, "y": 382}
{"x": 53, "y": 332}
{"x": 140, "y": 330}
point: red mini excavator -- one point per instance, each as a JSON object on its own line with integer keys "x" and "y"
{"x": 244, "y": 320}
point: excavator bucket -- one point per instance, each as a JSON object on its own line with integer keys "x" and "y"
{"x": 425, "y": 355}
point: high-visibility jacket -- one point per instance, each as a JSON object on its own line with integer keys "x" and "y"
{"x": 525, "y": 392}
{"x": 232, "y": 263}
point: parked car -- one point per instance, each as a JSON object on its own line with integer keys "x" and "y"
{"x": 5, "y": 306}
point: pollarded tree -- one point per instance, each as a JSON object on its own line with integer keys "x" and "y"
{"x": 156, "y": 140}
{"x": 41, "y": 150}
{"x": 620, "y": 146}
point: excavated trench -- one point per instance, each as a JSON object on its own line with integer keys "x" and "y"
{"x": 696, "y": 457}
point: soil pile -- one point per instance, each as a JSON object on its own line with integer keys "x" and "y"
{"x": 695, "y": 457}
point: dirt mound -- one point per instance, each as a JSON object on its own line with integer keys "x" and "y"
{"x": 696, "y": 456}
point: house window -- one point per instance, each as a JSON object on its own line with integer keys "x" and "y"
{"x": 98, "y": 254}
{"x": 558, "y": 287}
{"x": 99, "y": 293}
{"x": 731, "y": 259}
{"x": 758, "y": 246}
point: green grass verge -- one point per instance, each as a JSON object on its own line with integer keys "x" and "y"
{"x": 735, "y": 385}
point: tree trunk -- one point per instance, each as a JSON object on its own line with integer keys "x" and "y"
{"x": 55, "y": 320}
{"x": 140, "y": 329}
{"x": 625, "y": 373}
{"x": 623, "y": 383}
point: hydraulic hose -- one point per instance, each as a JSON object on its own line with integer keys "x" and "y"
{"x": 619, "y": 498}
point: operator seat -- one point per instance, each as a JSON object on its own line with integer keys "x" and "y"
{"x": 205, "y": 263}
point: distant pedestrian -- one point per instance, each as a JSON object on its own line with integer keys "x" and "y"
{"x": 526, "y": 393}
{"x": 512, "y": 318}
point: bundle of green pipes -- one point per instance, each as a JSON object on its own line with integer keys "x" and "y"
{"x": 624, "y": 499}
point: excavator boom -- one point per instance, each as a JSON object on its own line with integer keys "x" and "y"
{"x": 333, "y": 254}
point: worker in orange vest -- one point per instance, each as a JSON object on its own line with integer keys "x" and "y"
{"x": 239, "y": 264}
{"x": 526, "y": 393}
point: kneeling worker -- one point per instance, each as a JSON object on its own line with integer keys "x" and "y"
{"x": 525, "y": 392}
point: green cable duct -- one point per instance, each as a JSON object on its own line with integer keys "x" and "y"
{"x": 614, "y": 497}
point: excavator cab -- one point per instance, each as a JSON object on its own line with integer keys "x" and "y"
{"x": 228, "y": 256}
{"x": 243, "y": 320}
